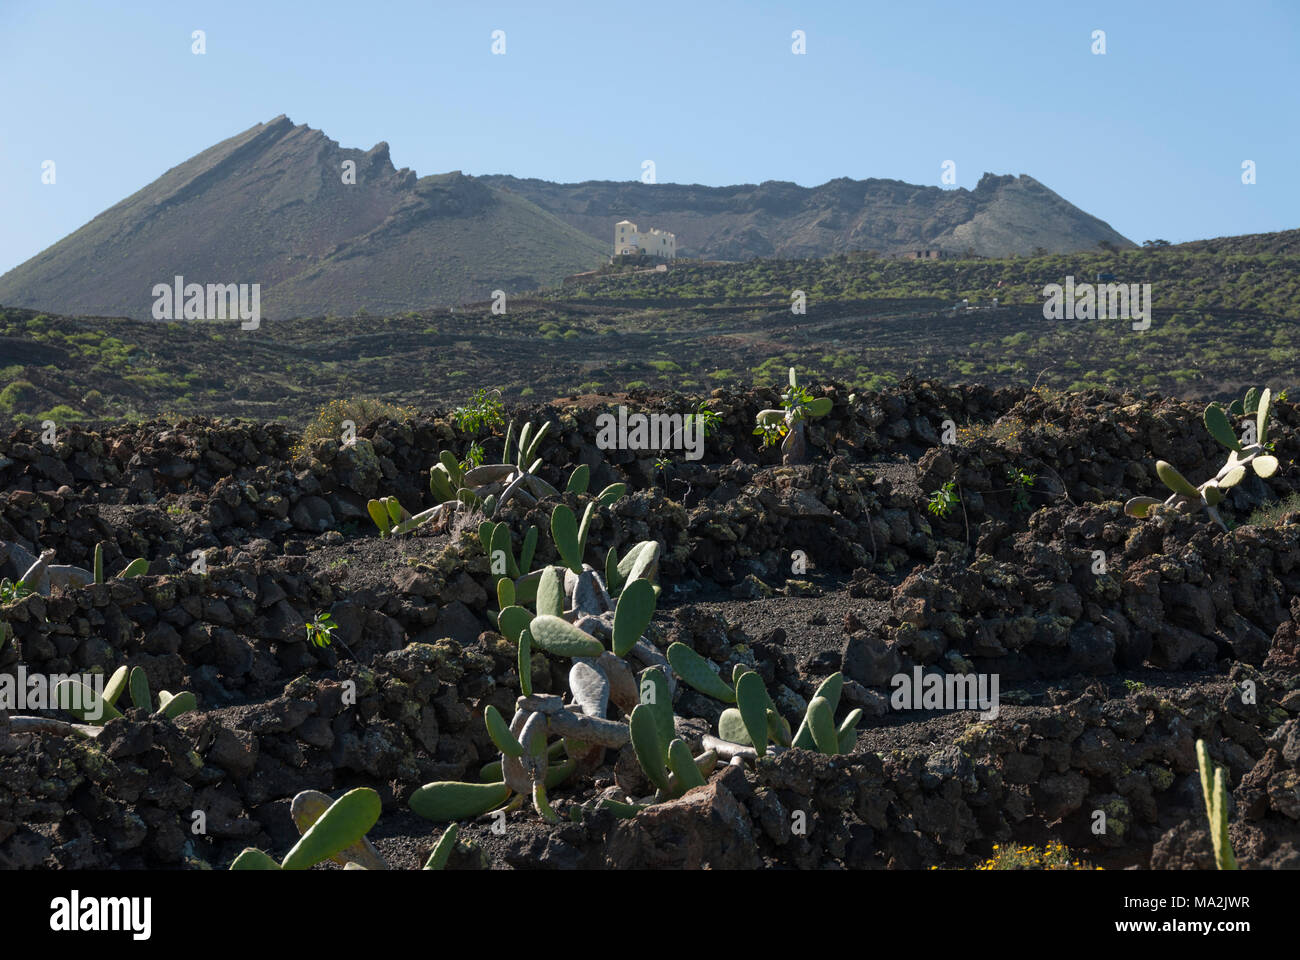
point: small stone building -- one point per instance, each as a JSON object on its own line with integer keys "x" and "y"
{"x": 657, "y": 243}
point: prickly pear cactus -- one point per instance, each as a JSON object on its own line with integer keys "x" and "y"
{"x": 1188, "y": 497}
{"x": 788, "y": 423}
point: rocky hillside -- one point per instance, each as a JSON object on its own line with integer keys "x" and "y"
{"x": 269, "y": 206}
{"x": 1002, "y": 216}
{"x": 1283, "y": 243}
{"x": 1120, "y": 642}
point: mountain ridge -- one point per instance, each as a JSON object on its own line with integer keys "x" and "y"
{"x": 269, "y": 205}
{"x": 742, "y": 221}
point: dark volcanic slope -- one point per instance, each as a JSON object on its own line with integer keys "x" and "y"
{"x": 1280, "y": 243}
{"x": 1002, "y": 216}
{"x": 269, "y": 206}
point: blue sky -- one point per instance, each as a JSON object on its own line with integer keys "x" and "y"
{"x": 1149, "y": 136}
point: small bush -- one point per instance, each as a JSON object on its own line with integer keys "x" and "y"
{"x": 17, "y": 393}
{"x": 61, "y": 414}
{"x": 484, "y": 409}
{"x": 1053, "y": 856}
{"x": 360, "y": 410}
{"x": 1271, "y": 514}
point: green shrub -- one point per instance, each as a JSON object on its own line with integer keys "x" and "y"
{"x": 484, "y": 409}
{"x": 61, "y": 414}
{"x": 17, "y": 393}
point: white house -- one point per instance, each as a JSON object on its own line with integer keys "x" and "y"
{"x": 657, "y": 243}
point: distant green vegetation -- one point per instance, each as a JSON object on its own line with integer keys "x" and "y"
{"x": 61, "y": 414}
{"x": 1263, "y": 282}
{"x": 15, "y": 395}
{"x": 1226, "y": 312}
